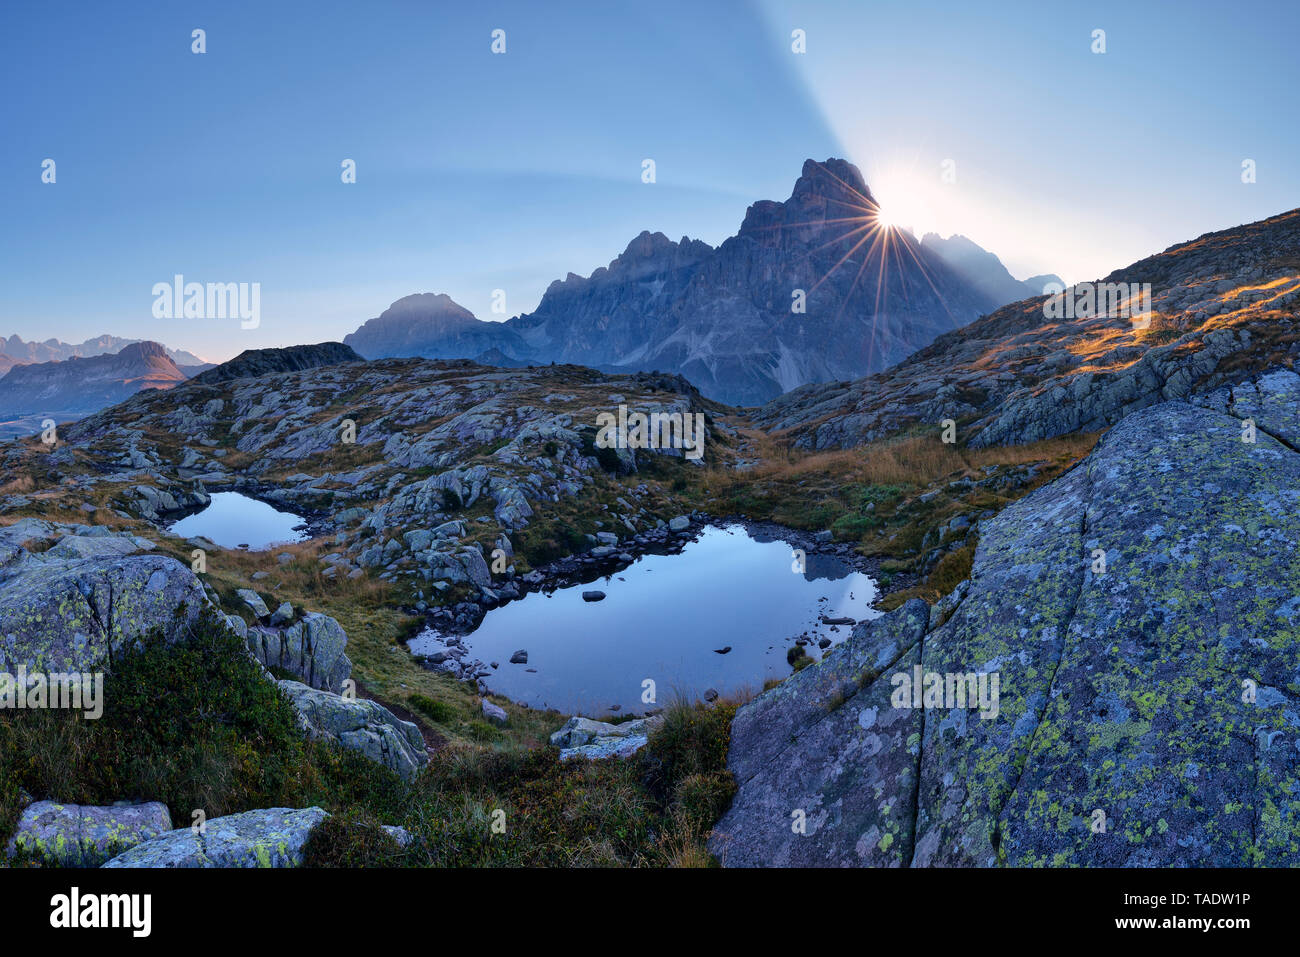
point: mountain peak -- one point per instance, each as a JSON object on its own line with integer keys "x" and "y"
{"x": 647, "y": 244}
{"x": 145, "y": 350}
{"x": 833, "y": 179}
{"x": 723, "y": 316}
{"x": 982, "y": 268}
{"x": 426, "y": 304}
{"x": 828, "y": 192}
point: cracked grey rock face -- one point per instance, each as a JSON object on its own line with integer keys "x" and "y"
{"x": 825, "y": 750}
{"x": 312, "y": 649}
{"x": 1147, "y": 709}
{"x": 360, "y": 725}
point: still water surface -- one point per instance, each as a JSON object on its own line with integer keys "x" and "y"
{"x": 664, "y": 618}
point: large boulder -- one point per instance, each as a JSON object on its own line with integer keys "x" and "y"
{"x": 74, "y": 615}
{"x": 1142, "y": 616}
{"x": 74, "y": 835}
{"x": 464, "y": 566}
{"x": 361, "y": 725}
{"x": 273, "y": 837}
{"x": 97, "y": 546}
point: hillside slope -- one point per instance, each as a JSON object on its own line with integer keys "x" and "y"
{"x": 1224, "y": 307}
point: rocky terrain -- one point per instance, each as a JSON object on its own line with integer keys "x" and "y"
{"x": 425, "y": 476}
{"x": 1135, "y": 601}
{"x": 724, "y": 317}
{"x": 1141, "y": 613}
{"x": 433, "y": 489}
{"x": 1224, "y": 307}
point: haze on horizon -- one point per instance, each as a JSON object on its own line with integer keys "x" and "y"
{"x": 479, "y": 171}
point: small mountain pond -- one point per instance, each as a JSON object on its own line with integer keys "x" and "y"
{"x": 668, "y": 619}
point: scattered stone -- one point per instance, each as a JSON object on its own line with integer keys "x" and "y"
{"x": 254, "y": 601}
{"x": 586, "y": 738}
{"x": 494, "y": 713}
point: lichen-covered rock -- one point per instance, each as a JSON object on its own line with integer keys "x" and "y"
{"x": 69, "y": 615}
{"x": 466, "y": 565}
{"x": 98, "y": 546}
{"x": 273, "y": 837}
{"x": 74, "y": 835}
{"x": 361, "y": 725}
{"x": 512, "y": 509}
{"x": 1142, "y": 615}
{"x": 254, "y": 601}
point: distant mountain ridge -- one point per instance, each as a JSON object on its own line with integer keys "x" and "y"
{"x": 728, "y": 318}
{"x": 16, "y": 351}
{"x": 432, "y": 327}
{"x": 985, "y": 270}
{"x": 71, "y": 388}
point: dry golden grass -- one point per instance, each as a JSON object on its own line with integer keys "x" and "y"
{"x": 918, "y": 460}
{"x": 1071, "y": 447}
{"x": 18, "y": 485}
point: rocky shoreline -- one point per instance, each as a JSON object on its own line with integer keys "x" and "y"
{"x": 452, "y": 624}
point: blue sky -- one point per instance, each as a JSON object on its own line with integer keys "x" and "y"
{"x": 478, "y": 172}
